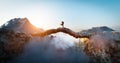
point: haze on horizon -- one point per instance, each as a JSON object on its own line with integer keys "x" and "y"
{"x": 77, "y": 14}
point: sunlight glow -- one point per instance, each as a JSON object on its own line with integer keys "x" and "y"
{"x": 84, "y": 40}
{"x": 42, "y": 18}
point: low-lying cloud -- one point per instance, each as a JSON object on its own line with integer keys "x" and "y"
{"x": 51, "y": 50}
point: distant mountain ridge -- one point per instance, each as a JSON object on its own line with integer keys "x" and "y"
{"x": 97, "y": 30}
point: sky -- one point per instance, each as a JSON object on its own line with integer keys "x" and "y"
{"x": 77, "y": 14}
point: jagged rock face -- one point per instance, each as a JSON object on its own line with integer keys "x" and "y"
{"x": 11, "y": 44}
{"x": 22, "y": 25}
{"x": 104, "y": 48}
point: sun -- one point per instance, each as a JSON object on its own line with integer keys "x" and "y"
{"x": 38, "y": 23}
{"x": 44, "y": 17}
{"x": 43, "y": 22}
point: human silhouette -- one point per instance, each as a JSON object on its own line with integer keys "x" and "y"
{"x": 62, "y": 24}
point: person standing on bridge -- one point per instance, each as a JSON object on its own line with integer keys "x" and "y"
{"x": 62, "y": 24}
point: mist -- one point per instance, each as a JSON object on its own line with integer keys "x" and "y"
{"x": 49, "y": 50}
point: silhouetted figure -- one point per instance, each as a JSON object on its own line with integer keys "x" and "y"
{"x": 62, "y": 24}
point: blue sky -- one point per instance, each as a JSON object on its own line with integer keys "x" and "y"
{"x": 77, "y": 14}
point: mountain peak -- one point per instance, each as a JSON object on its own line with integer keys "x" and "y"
{"x": 103, "y": 28}
{"x": 97, "y": 30}
{"x": 21, "y": 24}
